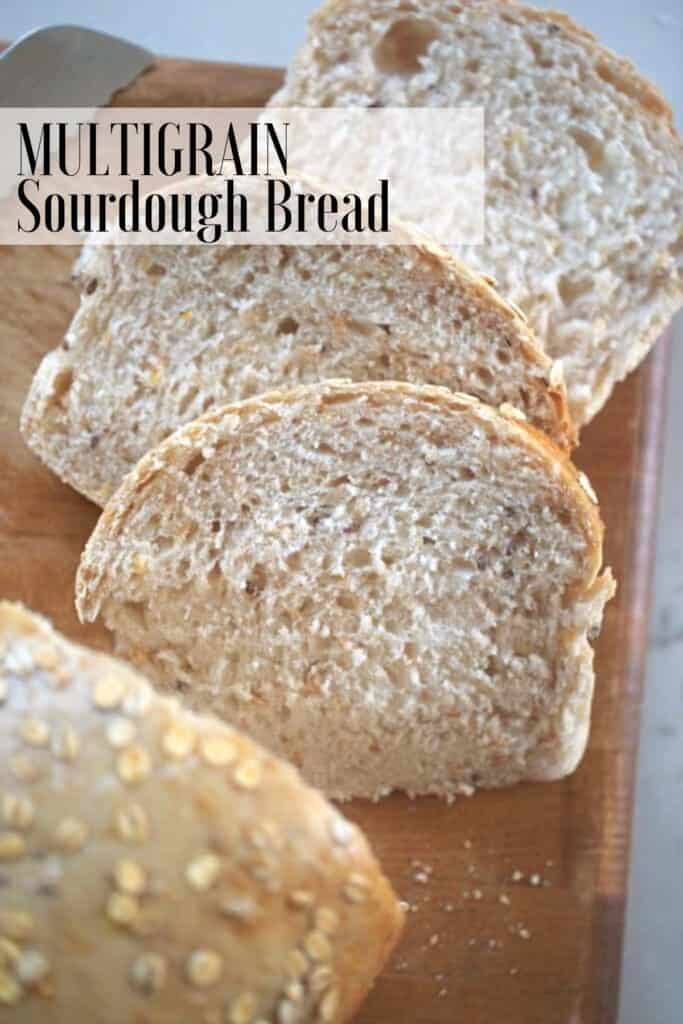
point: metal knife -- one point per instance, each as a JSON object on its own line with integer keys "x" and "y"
{"x": 68, "y": 66}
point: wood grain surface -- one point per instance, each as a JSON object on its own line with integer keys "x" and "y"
{"x": 517, "y": 896}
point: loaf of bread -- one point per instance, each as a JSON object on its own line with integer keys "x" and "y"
{"x": 159, "y": 867}
{"x": 584, "y": 170}
{"x": 164, "y": 334}
{"x": 392, "y": 585}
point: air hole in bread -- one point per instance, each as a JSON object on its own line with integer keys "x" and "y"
{"x": 503, "y": 356}
{"x": 288, "y": 325}
{"x": 193, "y": 463}
{"x": 187, "y": 400}
{"x": 536, "y": 48}
{"x": 348, "y": 600}
{"x": 591, "y": 145}
{"x": 484, "y": 376}
{"x": 214, "y": 575}
{"x": 570, "y": 287}
{"x": 358, "y": 557}
{"x": 294, "y": 561}
{"x": 61, "y": 386}
{"x": 256, "y": 581}
{"x": 156, "y": 270}
{"x": 402, "y": 48}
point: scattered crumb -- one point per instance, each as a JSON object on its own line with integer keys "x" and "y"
{"x": 477, "y": 894}
{"x": 504, "y": 898}
{"x": 517, "y": 876}
{"x": 434, "y": 939}
{"x": 535, "y": 879}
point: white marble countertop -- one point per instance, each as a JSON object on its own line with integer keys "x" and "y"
{"x": 651, "y": 34}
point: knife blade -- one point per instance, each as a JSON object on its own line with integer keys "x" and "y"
{"x": 68, "y": 66}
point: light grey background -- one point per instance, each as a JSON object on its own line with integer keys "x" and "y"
{"x": 651, "y": 34}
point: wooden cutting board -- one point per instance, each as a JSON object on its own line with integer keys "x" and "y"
{"x": 517, "y": 897}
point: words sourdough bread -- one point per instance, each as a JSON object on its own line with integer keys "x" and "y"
{"x": 392, "y": 585}
{"x": 160, "y": 867}
{"x": 584, "y": 176}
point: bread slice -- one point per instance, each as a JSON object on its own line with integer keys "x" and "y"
{"x": 159, "y": 866}
{"x": 163, "y": 334}
{"x": 391, "y": 585}
{"x": 584, "y": 185}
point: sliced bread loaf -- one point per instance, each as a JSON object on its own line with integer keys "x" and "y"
{"x": 160, "y": 867}
{"x": 165, "y": 334}
{"x": 392, "y": 585}
{"x": 584, "y": 185}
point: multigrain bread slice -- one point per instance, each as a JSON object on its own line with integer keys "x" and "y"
{"x": 392, "y": 585}
{"x": 160, "y": 867}
{"x": 584, "y": 183}
{"x": 164, "y": 334}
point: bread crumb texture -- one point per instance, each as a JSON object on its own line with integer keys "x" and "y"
{"x": 154, "y": 882}
{"x": 392, "y": 586}
{"x": 164, "y": 334}
{"x": 584, "y": 170}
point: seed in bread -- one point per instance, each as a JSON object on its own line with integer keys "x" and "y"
{"x": 219, "y": 325}
{"x": 395, "y": 573}
{"x": 114, "y": 886}
{"x": 584, "y": 169}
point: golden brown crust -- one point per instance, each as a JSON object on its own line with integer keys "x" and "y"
{"x": 161, "y": 865}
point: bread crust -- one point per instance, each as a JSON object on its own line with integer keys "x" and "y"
{"x": 161, "y": 864}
